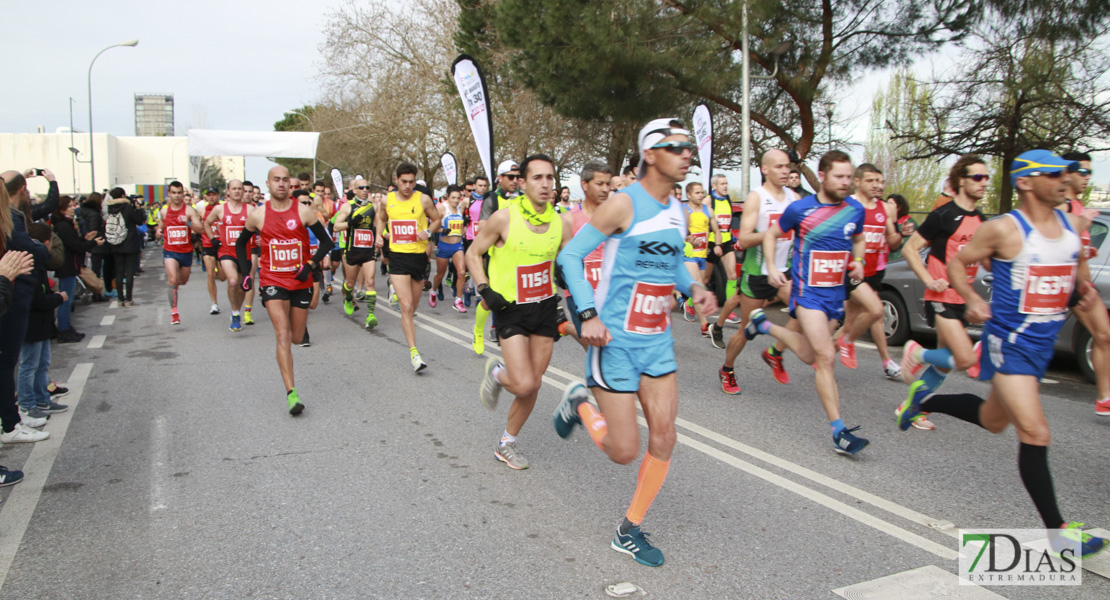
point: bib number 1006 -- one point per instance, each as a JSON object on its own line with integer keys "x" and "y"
{"x": 649, "y": 308}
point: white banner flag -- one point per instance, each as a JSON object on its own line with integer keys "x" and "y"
{"x": 703, "y": 137}
{"x": 337, "y": 181}
{"x": 475, "y": 99}
{"x": 450, "y": 169}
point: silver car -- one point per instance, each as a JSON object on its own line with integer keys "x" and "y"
{"x": 904, "y": 308}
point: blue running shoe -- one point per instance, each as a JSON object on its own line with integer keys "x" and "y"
{"x": 236, "y": 324}
{"x": 1081, "y": 544}
{"x": 635, "y": 544}
{"x": 467, "y": 295}
{"x": 566, "y": 414}
{"x": 911, "y": 408}
{"x": 755, "y": 320}
{"x": 848, "y": 444}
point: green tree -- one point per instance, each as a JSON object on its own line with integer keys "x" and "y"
{"x": 211, "y": 175}
{"x": 295, "y": 122}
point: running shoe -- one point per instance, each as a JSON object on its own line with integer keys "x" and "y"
{"x": 247, "y": 320}
{"x": 305, "y": 343}
{"x": 492, "y": 334}
{"x": 973, "y": 370}
{"x": 1072, "y": 537}
{"x": 911, "y": 366}
{"x": 23, "y": 434}
{"x": 418, "y": 364}
{"x": 326, "y": 296}
{"x": 294, "y": 402}
{"x": 892, "y": 370}
{"x": 732, "y": 318}
{"x": 911, "y": 408}
{"x": 756, "y": 319}
{"x": 468, "y": 293}
{"x": 9, "y": 477}
{"x": 459, "y": 306}
{"x": 688, "y": 312}
{"x": 1102, "y": 407}
{"x": 716, "y": 336}
{"x": 175, "y": 319}
{"x": 371, "y": 321}
{"x": 847, "y": 444}
{"x": 510, "y": 455}
{"x": 349, "y": 306}
{"x": 777, "y": 370}
{"x": 478, "y": 342}
{"x": 635, "y": 544}
{"x": 847, "y": 351}
{"x": 53, "y": 407}
{"x": 36, "y": 422}
{"x": 215, "y": 310}
{"x": 566, "y": 414}
{"x": 705, "y": 330}
{"x": 57, "y": 391}
{"x": 922, "y": 423}
{"x": 728, "y": 382}
{"x": 34, "y": 413}
{"x": 236, "y": 323}
{"x": 490, "y": 391}
{"x": 395, "y": 304}
{"x": 432, "y": 301}
{"x": 360, "y": 295}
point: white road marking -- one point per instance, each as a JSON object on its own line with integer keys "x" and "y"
{"x": 867, "y": 345}
{"x": 108, "y": 320}
{"x": 160, "y": 317}
{"x": 159, "y": 444}
{"x": 113, "y": 304}
{"x": 97, "y": 342}
{"x": 15, "y": 514}
{"x": 925, "y": 583}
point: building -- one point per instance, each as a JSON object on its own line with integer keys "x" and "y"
{"x": 154, "y": 115}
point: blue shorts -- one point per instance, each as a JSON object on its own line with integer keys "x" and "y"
{"x": 448, "y": 250}
{"x": 832, "y": 305}
{"x": 184, "y": 259}
{"x": 616, "y": 369}
{"x": 1023, "y": 356}
{"x": 700, "y": 262}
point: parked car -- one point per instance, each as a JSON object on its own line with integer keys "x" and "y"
{"x": 904, "y": 307}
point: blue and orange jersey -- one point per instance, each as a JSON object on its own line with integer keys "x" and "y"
{"x": 823, "y": 236}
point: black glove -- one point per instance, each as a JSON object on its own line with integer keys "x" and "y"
{"x": 216, "y": 244}
{"x": 304, "y": 272}
{"x": 496, "y": 302}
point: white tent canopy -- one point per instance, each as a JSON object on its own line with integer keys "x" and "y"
{"x": 278, "y": 144}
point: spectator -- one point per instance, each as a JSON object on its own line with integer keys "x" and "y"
{"x": 121, "y": 232}
{"x": 794, "y": 182}
{"x": 34, "y": 363}
{"x": 905, "y": 223}
{"x": 75, "y": 245}
{"x": 91, "y": 218}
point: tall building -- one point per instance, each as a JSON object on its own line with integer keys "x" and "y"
{"x": 154, "y": 114}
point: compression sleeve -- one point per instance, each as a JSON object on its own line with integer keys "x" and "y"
{"x": 570, "y": 263}
{"x": 242, "y": 257}
{"x": 324, "y": 243}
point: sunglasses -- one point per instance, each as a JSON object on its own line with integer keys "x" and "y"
{"x": 511, "y": 177}
{"x": 306, "y": 202}
{"x": 1052, "y": 175}
{"x": 1084, "y": 172}
{"x": 978, "y": 178}
{"x": 676, "y": 148}
{"x": 363, "y": 187}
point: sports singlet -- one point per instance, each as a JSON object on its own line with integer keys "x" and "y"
{"x": 874, "y": 232}
{"x": 404, "y": 220}
{"x": 1076, "y": 207}
{"x": 284, "y": 248}
{"x": 452, "y": 223}
{"x": 722, "y": 210}
{"x": 205, "y": 239}
{"x": 770, "y": 210}
{"x": 822, "y": 242}
{"x": 231, "y": 225}
{"x": 360, "y": 227}
{"x": 523, "y": 269}
{"x": 473, "y": 213}
{"x": 638, "y": 272}
{"x": 948, "y": 229}
{"x": 592, "y": 262}
{"x": 697, "y": 223}
{"x": 1030, "y": 292}
{"x": 175, "y": 234}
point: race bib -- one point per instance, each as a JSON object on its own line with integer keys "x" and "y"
{"x": 455, "y": 227}
{"x": 649, "y": 308}
{"x": 231, "y": 232}
{"x": 971, "y": 269}
{"x": 593, "y": 272}
{"x": 285, "y": 256}
{"x": 826, "y": 268}
{"x": 364, "y": 238}
{"x": 700, "y": 241}
{"x": 773, "y": 218}
{"x": 1047, "y": 289}
{"x": 177, "y": 234}
{"x": 474, "y": 226}
{"x": 875, "y": 236}
{"x": 724, "y": 221}
{"x": 402, "y": 232}
{"x": 313, "y": 248}
{"x": 533, "y": 282}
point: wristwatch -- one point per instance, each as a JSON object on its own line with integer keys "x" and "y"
{"x": 482, "y": 287}
{"x": 586, "y": 315}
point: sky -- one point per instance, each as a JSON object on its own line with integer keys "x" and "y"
{"x": 233, "y": 64}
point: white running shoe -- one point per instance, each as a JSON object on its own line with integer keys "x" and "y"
{"x": 23, "y": 434}
{"x": 215, "y": 309}
{"x": 892, "y": 370}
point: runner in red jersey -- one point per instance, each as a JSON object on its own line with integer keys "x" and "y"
{"x": 595, "y": 178}
{"x": 210, "y": 246}
{"x": 175, "y": 222}
{"x": 285, "y": 270}
{"x": 1094, "y": 317}
{"x": 229, "y": 218}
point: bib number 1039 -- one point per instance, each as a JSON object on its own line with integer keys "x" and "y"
{"x": 649, "y": 308}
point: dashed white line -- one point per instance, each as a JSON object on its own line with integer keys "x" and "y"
{"x": 113, "y": 304}
{"x": 159, "y": 444}
{"x": 97, "y": 342}
{"x": 107, "y": 320}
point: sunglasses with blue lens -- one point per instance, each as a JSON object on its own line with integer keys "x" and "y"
{"x": 674, "y": 147}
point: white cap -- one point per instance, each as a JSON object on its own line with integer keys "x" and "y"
{"x": 505, "y": 167}
{"x": 421, "y": 182}
{"x": 655, "y": 131}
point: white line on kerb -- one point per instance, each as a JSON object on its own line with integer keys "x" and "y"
{"x": 107, "y": 320}
{"x": 159, "y": 444}
{"x": 97, "y": 342}
{"x": 16, "y": 512}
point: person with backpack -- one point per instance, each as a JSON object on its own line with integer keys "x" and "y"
{"x": 121, "y": 233}
{"x": 75, "y": 245}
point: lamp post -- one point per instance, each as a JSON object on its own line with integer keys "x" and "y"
{"x": 92, "y": 165}
{"x": 745, "y": 109}
{"x": 311, "y": 124}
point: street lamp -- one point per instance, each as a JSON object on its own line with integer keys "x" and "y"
{"x": 92, "y": 167}
{"x": 311, "y": 124}
{"x": 745, "y": 110}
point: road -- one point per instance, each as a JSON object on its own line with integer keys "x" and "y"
{"x": 179, "y": 474}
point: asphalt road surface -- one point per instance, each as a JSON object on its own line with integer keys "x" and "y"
{"x": 179, "y": 474}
